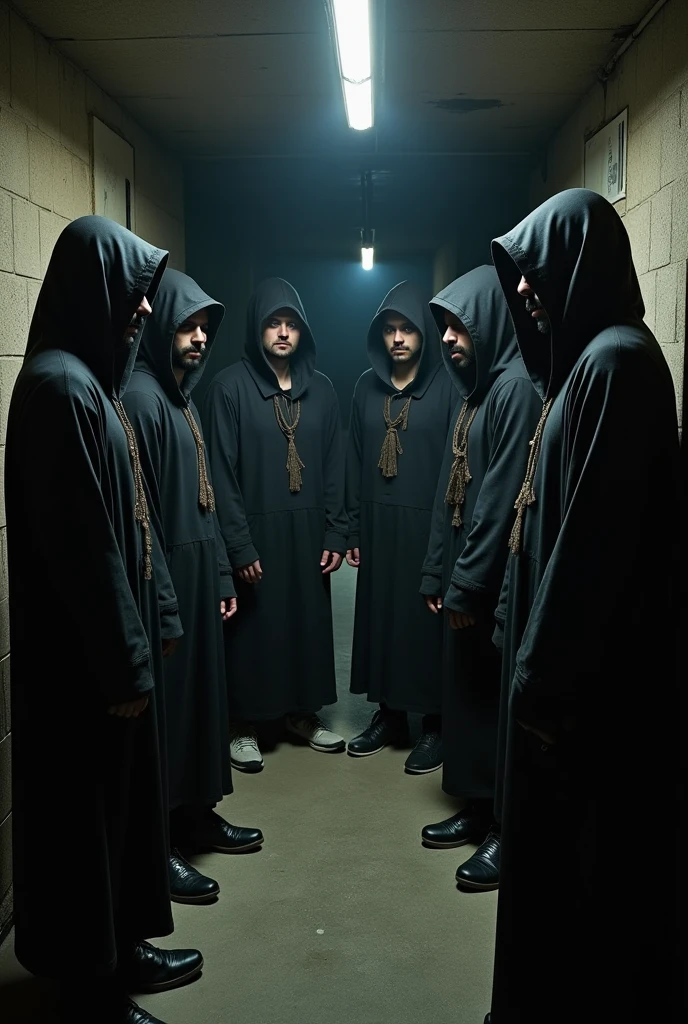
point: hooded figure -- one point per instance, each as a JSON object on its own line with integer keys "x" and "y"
{"x": 275, "y": 452}
{"x": 588, "y": 635}
{"x": 171, "y": 361}
{"x": 484, "y": 463}
{"x": 78, "y": 520}
{"x": 400, "y": 414}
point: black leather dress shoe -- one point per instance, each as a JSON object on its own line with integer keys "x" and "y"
{"x": 481, "y": 871}
{"x": 211, "y": 832}
{"x": 465, "y": 827}
{"x": 386, "y": 729}
{"x": 155, "y": 970}
{"x": 188, "y": 885}
{"x": 137, "y": 1015}
{"x": 488, "y": 1019}
{"x": 426, "y": 756}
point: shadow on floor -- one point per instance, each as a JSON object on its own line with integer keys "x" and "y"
{"x": 23, "y": 999}
{"x": 343, "y": 917}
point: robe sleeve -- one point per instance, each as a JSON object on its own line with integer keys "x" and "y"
{"x": 500, "y": 610}
{"x": 227, "y": 588}
{"x": 170, "y": 623}
{"x": 63, "y": 450}
{"x": 608, "y": 455}
{"x": 479, "y": 570}
{"x": 144, "y": 415}
{"x": 221, "y": 429}
{"x": 336, "y": 522}
{"x": 353, "y": 473}
{"x": 431, "y": 572}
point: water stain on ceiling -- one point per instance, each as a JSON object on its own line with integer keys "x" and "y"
{"x": 465, "y": 104}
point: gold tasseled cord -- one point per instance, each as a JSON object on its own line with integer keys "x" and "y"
{"x": 391, "y": 446}
{"x": 206, "y": 495}
{"x": 288, "y": 427}
{"x": 460, "y": 475}
{"x": 140, "y": 502}
{"x": 526, "y": 495}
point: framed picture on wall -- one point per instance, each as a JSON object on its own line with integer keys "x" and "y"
{"x": 605, "y": 159}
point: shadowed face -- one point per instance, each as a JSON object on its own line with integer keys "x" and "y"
{"x": 534, "y": 307}
{"x": 281, "y": 333}
{"x": 402, "y": 339}
{"x": 138, "y": 320}
{"x": 189, "y": 348}
{"x": 457, "y": 337}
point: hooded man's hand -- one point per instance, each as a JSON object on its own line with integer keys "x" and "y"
{"x": 330, "y": 562}
{"x": 130, "y": 708}
{"x": 251, "y": 573}
{"x": 458, "y": 620}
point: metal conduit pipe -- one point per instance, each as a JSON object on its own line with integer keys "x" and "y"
{"x": 608, "y": 68}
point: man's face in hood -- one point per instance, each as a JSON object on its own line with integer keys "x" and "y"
{"x": 534, "y": 307}
{"x": 281, "y": 334}
{"x": 458, "y": 339}
{"x": 137, "y": 321}
{"x": 402, "y": 339}
{"x": 189, "y": 346}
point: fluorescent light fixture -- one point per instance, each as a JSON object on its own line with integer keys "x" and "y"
{"x": 352, "y": 25}
{"x": 367, "y": 254}
{"x": 359, "y": 104}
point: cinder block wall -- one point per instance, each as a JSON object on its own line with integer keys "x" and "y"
{"x": 651, "y": 79}
{"x": 45, "y": 181}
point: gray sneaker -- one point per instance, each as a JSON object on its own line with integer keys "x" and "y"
{"x": 244, "y": 750}
{"x": 317, "y": 735}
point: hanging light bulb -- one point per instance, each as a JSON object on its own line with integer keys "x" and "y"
{"x": 367, "y": 232}
{"x": 367, "y": 257}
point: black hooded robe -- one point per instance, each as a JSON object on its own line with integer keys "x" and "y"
{"x": 397, "y": 647}
{"x": 89, "y": 636}
{"x": 279, "y": 647}
{"x": 465, "y": 564}
{"x": 197, "y": 723}
{"x": 583, "y": 931}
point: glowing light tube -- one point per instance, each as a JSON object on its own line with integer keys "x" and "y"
{"x": 352, "y": 26}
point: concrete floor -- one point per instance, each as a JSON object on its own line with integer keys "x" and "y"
{"x": 343, "y": 916}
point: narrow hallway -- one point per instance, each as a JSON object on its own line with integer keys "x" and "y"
{"x": 372, "y": 163}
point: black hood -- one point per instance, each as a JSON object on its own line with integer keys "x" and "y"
{"x": 271, "y": 295}
{"x": 96, "y": 277}
{"x": 406, "y": 300}
{"x": 575, "y": 254}
{"x": 178, "y": 297}
{"x": 478, "y": 301}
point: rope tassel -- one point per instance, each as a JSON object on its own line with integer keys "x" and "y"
{"x": 294, "y": 467}
{"x": 460, "y": 475}
{"x": 526, "y": 496}
{"x": 288, "y": 428}
{"x": 391, "y": 446}
{"x": 206, "y": 495}
{"x": 140, "y": 503}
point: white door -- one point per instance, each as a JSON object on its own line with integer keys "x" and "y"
{"x": 113, "y": 175}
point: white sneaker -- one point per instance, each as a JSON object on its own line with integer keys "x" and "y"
{"x": 244, "y": 750}
{"x": 310, "y": 728}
